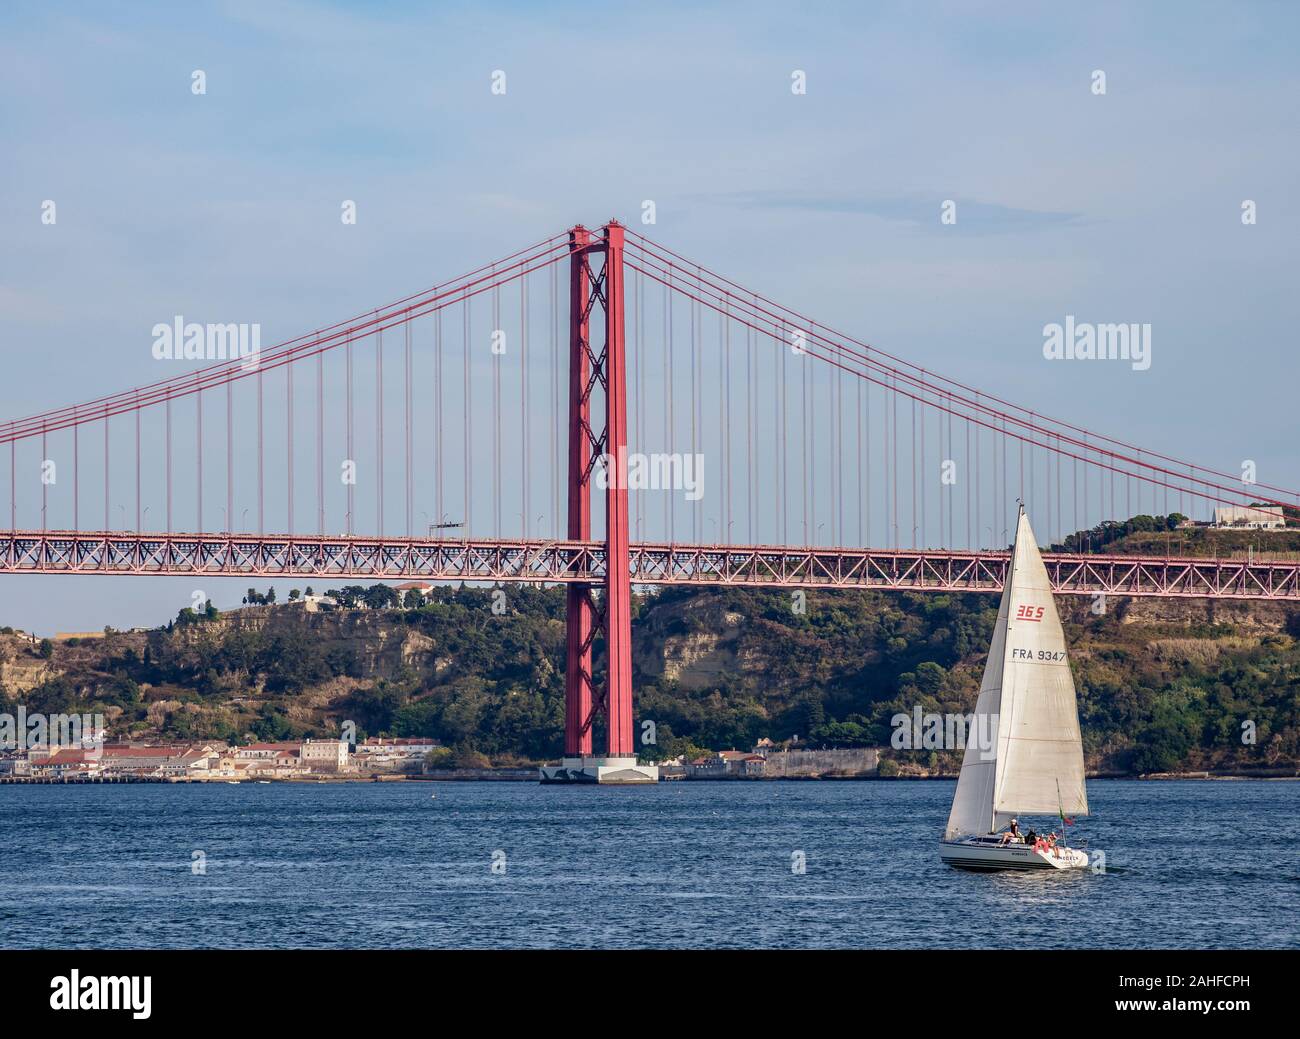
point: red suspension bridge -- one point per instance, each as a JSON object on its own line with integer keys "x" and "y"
{"x": 768, "y": 450}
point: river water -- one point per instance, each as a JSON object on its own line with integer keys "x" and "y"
{"x": 683, "y": 865}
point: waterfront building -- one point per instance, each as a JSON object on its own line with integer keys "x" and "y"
{"x": 66, "y": 763}
{"x": 264, "y": 751}
{"x": 325, "y": 755}
{"x": 138, "y": 759}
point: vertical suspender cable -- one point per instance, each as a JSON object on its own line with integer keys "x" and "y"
{"x": 523, "y": 383}
{"x": 352, "y": 458}
{"x": 261, "y": 455}
{"x": 288, "y": 448}
{"x": 468, "y": 471}
{"x": 230, "y": 459}
{"x": 320, "y": 444}
{"x": 379, "y": 432}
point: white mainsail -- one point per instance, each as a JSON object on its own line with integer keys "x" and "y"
{"x": 1027, "y": 698}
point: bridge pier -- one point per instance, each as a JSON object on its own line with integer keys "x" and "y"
{"x": 609, "y": 771}
{"x": 607, "y": 451}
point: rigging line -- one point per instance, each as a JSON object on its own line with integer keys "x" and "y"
{"x": 1021, "y": 486}
{"x": 1005, "y": 504}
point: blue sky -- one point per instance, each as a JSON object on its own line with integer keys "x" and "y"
{"x": 1123, "y": 207}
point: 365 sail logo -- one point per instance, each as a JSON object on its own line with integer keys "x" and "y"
{"x": 1025, "y": 612}
{"x": 93, "y": 992}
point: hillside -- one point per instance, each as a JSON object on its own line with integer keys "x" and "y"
{"x": 1162, "y": 685}
{"x": 1163, "y": 536}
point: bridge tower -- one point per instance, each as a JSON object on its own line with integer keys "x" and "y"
{"x": 598, "y": 456}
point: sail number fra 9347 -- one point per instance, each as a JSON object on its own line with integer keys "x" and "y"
{"x": 1046, "y": 656}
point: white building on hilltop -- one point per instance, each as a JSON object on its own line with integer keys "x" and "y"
{"x": 1250, "y": 517}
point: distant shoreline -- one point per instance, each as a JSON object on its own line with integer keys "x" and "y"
{"x": 530, "y": 776}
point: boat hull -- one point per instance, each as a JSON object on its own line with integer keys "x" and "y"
{"x": 986, "y": 855}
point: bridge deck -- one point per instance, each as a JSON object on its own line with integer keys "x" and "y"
{"x": 536, "y": 560}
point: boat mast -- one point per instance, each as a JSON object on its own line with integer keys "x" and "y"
{"x": 1011, "y": 574}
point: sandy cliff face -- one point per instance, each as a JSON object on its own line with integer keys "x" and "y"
{"x": 20, "y": 669}
{"x": 693, "y": 658}
{"x": 381, "y": 646}
{"x": 1245, "y": 616}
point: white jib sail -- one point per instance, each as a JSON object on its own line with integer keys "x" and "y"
{"x": 1027, "y": 698}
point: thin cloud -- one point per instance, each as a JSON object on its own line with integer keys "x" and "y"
{"x": 916, "y": 210}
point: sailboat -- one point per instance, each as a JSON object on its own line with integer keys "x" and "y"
{"x": 1024, "y": 751}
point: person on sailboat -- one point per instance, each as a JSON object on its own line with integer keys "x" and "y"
{"x": 1012, "y": 836}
